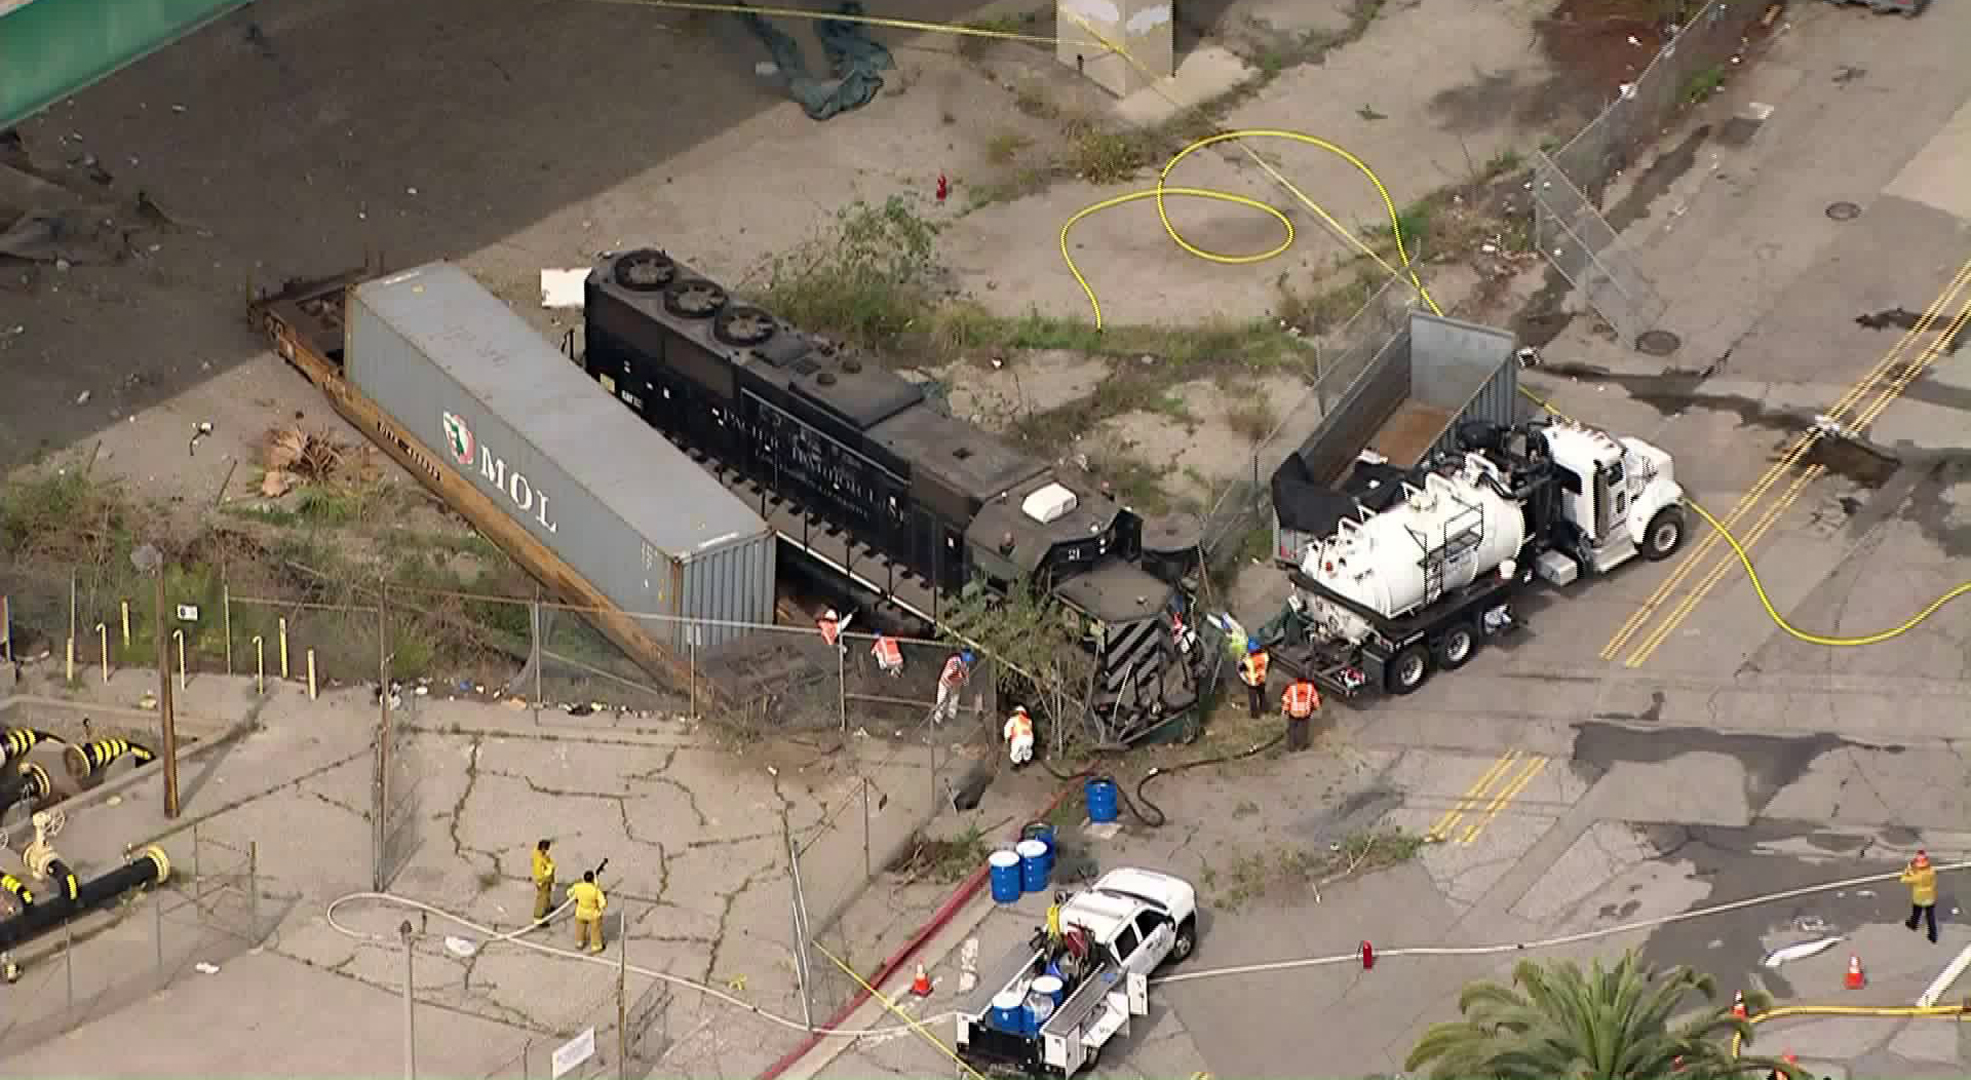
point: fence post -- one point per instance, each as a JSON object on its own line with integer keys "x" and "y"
{"x": 283, "y": 629}
{"x": 311, "y": 674}
{"x": 178, "y": 638}
{"x": 124, "y": 605}
{"x": 842, "y": 682}
{"x": 259, "y": 665}
{"x": 253, "y": 892}
{"x": 7, "y": 627}
{"x": 799, "y": 904}
{"x": 198, "y": 879}
{"x": 68, "y": 960}
{"x": 622, "y": 1002}
{"x": 226, "y": 613}
{"x": 534, "y": 646}
{"x": 103, "y": 638}
{"x": 867, "y": 873}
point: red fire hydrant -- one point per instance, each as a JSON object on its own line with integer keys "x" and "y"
{"x": 1368, "y": 956}
{"x": 944, "y": 187}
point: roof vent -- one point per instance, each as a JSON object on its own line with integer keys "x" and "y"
{"x": 851, "y": 365}
{"x": 1049, "y": 504}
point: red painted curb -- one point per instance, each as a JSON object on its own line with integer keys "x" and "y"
{"x": 963, "y": 895}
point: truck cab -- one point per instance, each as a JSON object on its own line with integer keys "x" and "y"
{"x": 1138, "y": 918}
{"x": 1620, "y": 498}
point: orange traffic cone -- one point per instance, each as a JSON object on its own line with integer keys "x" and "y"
{"x": 1738, "y": 1005}
{"x": 1856, "y": 980}
{"x": 921, "y": 985}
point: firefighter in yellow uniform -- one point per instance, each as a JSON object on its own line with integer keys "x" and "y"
{"x": 543, "y": 881}
{"x": 1252, "y": 672}
{"x": 589, "y": 905}
{"x": 1921, "y": 878}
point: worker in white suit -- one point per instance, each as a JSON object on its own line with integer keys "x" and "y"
{"x": 1019, "y": 736}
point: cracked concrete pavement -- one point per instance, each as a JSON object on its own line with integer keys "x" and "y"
{"x": 696, "y": 836}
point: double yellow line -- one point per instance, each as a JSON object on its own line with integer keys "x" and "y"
{"x": 1482, "y": 801}
{"x": 1886, "y": 393}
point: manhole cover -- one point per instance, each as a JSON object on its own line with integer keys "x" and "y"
{"x": 1658, "y": 342}
{"x": 1843, "y": 211}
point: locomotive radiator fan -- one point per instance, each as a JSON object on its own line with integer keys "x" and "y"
{"x": 694, "y": 298}
{"x": 743, "y": 326}
{"x": 645, "y": 270}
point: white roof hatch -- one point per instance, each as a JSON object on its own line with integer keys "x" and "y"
{"x": 1049, "y": 504}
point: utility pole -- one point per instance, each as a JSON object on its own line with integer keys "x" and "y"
{"x": 147, "y": 560}
{"x": 380, "y": 829}
{"x": 410, "y": 1006}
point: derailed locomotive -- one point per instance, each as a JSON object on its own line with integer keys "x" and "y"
{"x": 832, "y": 433}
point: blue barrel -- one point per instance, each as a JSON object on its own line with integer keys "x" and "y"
{"x": 1053, "y": 987}
{"x": 1033, "y": 865}
{"x": 1043, "y": 832}
{"x": 1040, "y": 1008}
{"x": 1008, "y": 1013}
{"x": 1005, "y": 873}
{"x": 1101, "y": 792}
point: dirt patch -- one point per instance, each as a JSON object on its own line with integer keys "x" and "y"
{"x": 1598, "y": 45}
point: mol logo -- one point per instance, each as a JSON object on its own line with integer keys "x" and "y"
{"x": 468, "y": 451}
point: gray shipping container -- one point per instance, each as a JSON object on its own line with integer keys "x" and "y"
{"x": 647, "y": 526}
{"x": 1406, "y": 404}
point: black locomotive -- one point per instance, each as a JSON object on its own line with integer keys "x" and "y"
{"x": 940, "y": 502}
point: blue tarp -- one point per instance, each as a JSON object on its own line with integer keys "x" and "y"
{"x": 854, "y": 58}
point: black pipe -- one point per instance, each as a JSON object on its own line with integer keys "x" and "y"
{"x": 150, "y": 867}
{"x": 86, "y": 758}
{"x": 25, "y": 784}
{"x": 18, "y": 741}
{"x": 17, "y": 889}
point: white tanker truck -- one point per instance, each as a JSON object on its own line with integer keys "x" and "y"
{"x": 1423, "y": 570}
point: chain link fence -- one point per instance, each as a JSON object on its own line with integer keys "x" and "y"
{"x": 207, "y": 914}
{"x": 1239, "y": 513}
{"x": 1571, "y": 183}
{"x": 621, "y": 1034}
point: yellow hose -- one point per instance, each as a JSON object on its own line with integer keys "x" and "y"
{"x": 1885, "y": 1011}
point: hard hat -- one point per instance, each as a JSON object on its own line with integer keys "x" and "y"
{"x": 831, "y": 616}
{"x": 1021, "y": 709}
{"x": 1922, "y": 858}
{"x": 966, "y": 656}
{"x": 1253, "y": 646}
{"x": 1790, "y": 1059}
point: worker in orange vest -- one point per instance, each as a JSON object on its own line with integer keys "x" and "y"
{"x": 1252, "y": 672}
{"x": 888, "y": 654}
{"x": 1298, "y": 705}
{"x": 951, "y": 681}
{"x": 1019, "y": 736}
{"x": 831, "y": 627}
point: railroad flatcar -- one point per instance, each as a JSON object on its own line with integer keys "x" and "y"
{"x": 925, "y": 503}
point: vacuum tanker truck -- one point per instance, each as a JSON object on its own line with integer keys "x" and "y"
{"x": 1421, "y": 568}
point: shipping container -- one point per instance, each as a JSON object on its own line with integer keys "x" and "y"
{"x": 644, "y": 525}
{"x": 1432, "y": 375}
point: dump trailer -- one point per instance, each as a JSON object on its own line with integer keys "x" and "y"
{"x": 1401, "y": 406}
{"x": 1051, "y": 1005}
{"x": 1421, "y": 571}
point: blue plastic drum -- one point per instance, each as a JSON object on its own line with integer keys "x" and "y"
{"x": 1043, "y": 832}
{"x": 1040, "y": 1008}
{"x": 1008, "y": 1013}
{"x": 1033, "y": 865}
{"x": 1004, "y": 868}
{"x": 1101, "y": 792}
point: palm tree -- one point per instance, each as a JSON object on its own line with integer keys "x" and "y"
{"x": 1557, "y": 1023}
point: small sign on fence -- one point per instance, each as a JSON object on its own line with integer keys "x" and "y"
{"x": 187, "y": 612}
{"x": 573, "y": 1052}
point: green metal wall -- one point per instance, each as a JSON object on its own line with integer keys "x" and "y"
{"x": 52, "y": 48}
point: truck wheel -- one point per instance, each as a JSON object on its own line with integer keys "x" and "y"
{"x": 1456, "y": 648}
{"x": 1408, "y": 670}
{"x": 1187, "y": 941}
{"x": 1664, "y": 535}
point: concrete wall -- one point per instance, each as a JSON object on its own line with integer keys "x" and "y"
{"x": 1146, "y": 29}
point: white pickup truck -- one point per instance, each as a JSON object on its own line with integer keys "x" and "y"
{"x": 1078, "y": 993}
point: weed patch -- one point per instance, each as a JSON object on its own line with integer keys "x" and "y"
{"x": 867, "y": 278}
{"x": 942, "y": 861}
